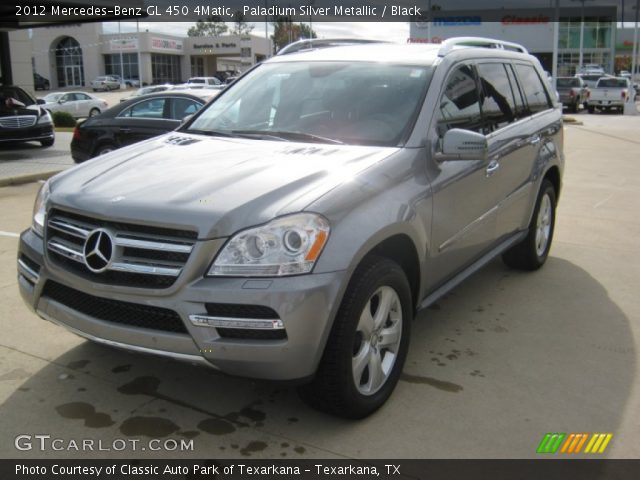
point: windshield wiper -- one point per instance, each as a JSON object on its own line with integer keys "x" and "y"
{"x": 288, "y": 136}
{"x": 211, "y": 133}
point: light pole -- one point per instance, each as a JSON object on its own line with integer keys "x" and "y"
{"x": 630, "y": 107}
{"x": 556, "y": 40}
{"x": 581, "y": 60}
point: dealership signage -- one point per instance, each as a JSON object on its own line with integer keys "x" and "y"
{"x": 123, "y": 44}
{"x": 166, "y": 44}
{"x": 201, "y": 46}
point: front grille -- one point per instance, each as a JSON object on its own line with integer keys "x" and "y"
{"x": 141, "y": 256}
{"x": 252, "y": 334}
{"x": 229, "y": 310}
{"x": 20, "y": 121}
{"x": 115, "y": 311}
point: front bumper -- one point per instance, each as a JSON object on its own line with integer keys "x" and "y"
{"x": 306, "y": 305}
{"x": 35, "y": 133}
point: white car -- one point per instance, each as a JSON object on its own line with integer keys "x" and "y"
{"x": 106, "y": 83}
{"x": 205, "y": 80}
{"x": 78, "y": 104}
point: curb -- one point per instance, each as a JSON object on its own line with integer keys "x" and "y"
{"x": 27, "y": 178}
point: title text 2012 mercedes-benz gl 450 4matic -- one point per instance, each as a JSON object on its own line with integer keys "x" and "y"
{"x": 291, "y": 228}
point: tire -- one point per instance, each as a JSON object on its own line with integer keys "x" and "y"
{"x": 574, "y": 108}
{"x": 104, "y": 148}
{"x": 335, "y": 389}
{"x": 532, "y": 252}
{"x": 93, "y": 112}
{"x": 95, "y": 89}
{"x": 47, "y": 143}
{"x": 591, "y": 109}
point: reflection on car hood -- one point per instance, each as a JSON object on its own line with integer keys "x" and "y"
{"x": 211, "y": 184}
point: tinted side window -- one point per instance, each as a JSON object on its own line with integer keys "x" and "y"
{"x": 521, "y": 110}
{"x": 181, "y": 107}
{"x": 498, "y": 103}
{"x": 460, "y": 102}
{"x": 533, "y": 89}
{"x": 153, "y": 108}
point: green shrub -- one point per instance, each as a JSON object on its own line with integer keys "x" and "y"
{"x": 63, "y": 119}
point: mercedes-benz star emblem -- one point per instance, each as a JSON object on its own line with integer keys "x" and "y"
{"x": 98, "y": 251}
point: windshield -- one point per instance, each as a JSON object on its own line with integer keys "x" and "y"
{"x": 196, "y": 80}
{"x": 356, "y": 103}
{"x": 52, "y": 97}
{"x": 612, "y": 83}
{"x": 568, "y": 82}
{"x": 17, "y": 93}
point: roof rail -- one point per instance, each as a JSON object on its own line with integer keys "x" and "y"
{"x": 450, "y": 44}
{"x": 315, "y": 43}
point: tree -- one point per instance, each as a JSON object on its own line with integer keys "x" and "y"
{"x": 213, "y": 26}
{"x": 240, "y": 27}
{"x": 286, "y": 32}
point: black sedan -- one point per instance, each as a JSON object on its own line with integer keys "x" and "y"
{"x": 135, "y": 120}
{"x": 22, "y": 119}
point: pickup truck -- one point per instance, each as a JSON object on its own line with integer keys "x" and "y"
{"x": 610, "y": 93}
{"x": 573, "y": 92}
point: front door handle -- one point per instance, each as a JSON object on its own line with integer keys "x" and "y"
{"x": 492, "y": 168}
{"x": 535, "y": 140}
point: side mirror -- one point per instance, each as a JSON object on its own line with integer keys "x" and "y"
{"x": 186, "y": 119}
{"x": 40, "y": 101}
{"x": 459, "y": 144}
{"x": 62, "y": 100}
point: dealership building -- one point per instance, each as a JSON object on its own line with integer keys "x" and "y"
{"x": 73, "y": 55}
{"x": 534, "y": 28}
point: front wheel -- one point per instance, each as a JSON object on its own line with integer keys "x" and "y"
{"x": 368, "y": 344}
{"x": 47, "y": 143}
{"x": 93, "y": 112}
{"x": 532, "y": 252}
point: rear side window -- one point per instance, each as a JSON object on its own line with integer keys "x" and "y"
{"x": 612, "y": 83}
{"x": 498, "y": 102}
{"x": 181, "y": 107}
{"x": 533, "y": 89}
{"x": 460, "y": 102}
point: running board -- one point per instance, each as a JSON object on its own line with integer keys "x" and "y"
{"x": 473, "y": 268}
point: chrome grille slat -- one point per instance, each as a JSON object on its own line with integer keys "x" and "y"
{"x": 138, "y": 253}
{"x": 59, "y": 246}
{"x": 153, "y": 245}
{"x": 145, "y": 269}
{"x": 20, "y": 121}
{"x": 70, "y": 228}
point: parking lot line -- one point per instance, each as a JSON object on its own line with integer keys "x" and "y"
{"x": 9, "y": 234}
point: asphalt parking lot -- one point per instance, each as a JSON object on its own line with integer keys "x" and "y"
{"x": 502, "y": 360}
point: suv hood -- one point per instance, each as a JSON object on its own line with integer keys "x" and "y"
{"x": 213, "y": 185}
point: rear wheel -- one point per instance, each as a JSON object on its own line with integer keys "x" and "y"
{"x": 368, "y": 344}
{"x": 93, "y": 112}
{"x": 574, "y": 107}
{"x": 532, "y": 252}
{"x": 104, "y": 148}
{"x": 591, "y": 109}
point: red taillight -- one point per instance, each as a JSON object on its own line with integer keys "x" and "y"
{"x": 624, "y": 95}
{"x": 76, "y": 133}
{"x": 588, "y": 93}
{"x": 572, "y": 93}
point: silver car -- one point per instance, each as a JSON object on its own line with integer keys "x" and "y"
{"x": 105, "y": 83}
{"x": 292, "y": 227}
{"x": 78, "y": 104}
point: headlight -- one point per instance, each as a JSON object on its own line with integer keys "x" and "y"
{"x": 40, "y": 209}
{"x": 285, "y": 246}
{"x": 45, "y": 119}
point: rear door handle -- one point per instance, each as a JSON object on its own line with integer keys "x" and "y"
{"x": 125, "y": 130}
{"x": 492, "y": 168}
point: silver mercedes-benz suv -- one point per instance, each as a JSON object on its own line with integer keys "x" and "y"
{"x": 291, "y": 229}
